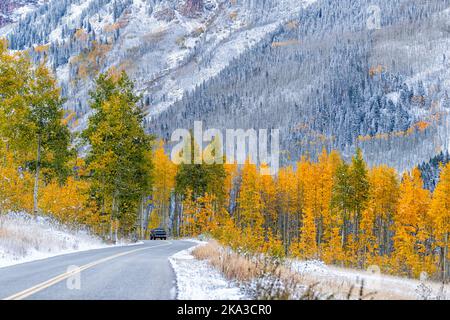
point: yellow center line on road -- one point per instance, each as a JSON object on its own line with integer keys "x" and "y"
{"x": 46, "y": 284}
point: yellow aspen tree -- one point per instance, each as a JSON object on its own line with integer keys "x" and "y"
{"x": 206, "y": 219}
{"x": 335, "y": 254}
{"x": 274, "y": 245}
{"x": 163, "y": 183}
{"x": 230, "y": 235}
{"x": 285, "y": 189}
{"x": 325, "y": 171}
{"x": 16, "y": 185}
{"x": 413, "y": 205}
{"x": 332, "y": 251}
{"x": 303, "y": 167}
{"x": 154, "y": 220}
{"x": 66, "y": 202}
{"x": 268, "y": 197}
{"x": 250, "y": 216}
{"x": 376, "y": 219}
{"x": 188, "y": 227}
{"x": 440, "y": 213}
{"x": 232, "y": 173}
{"x": 308, "y": 234}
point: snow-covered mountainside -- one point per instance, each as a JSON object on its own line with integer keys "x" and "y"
{"x": 12, "y": 10}
{"x": 23, "y": 239}
{"x": 312, "y": 68}
{"x": 167, "y": 47}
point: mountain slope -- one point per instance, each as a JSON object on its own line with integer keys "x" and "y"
{"x": 12, "y": 10}
{"x": 168, "y": 47}
{"x": 328, "y": 81}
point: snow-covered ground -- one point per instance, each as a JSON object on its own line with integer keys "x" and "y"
{"x": 24, "y": 239}
{"x": 197, "y": 280}
{"x": 385, "y": 287}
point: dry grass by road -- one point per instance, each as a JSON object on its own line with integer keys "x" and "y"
{"x": 267, "y": 278}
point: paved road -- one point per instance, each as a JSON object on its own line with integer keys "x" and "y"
{"x": 140, "y": 272}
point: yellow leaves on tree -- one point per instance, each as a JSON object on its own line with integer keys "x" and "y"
{"x": 440, "y": 213}
{"x": 16, "y": 185}
{"x": 381, "y": 208}
{"x": 250, "y": 203}
{"x": 308, "y": 243}
{"x": 200, "y": 216}
{"x": 163, "y": 185}
{"x": 250, "y": 213}
{"x": 412, "y": 225}
{"x": 67, "y": 203}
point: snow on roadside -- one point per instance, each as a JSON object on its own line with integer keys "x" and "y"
{"x": 197, "y": 280}
{"x": 24, "y": 239}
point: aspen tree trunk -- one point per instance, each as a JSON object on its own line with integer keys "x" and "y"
{"x": 343, "y": 231}
{"x": 111, "y": 227}
{"x": 176, "y": 215}
{"x": 444, "y": 277}
{"x": 141, "y": 229}
{"x": 181, "y": 225}
{"x": 36, "y": 179}
{"x": 114, "y": 219}
{"x": 285, "y": 231}
{"x": 164, "y": 214}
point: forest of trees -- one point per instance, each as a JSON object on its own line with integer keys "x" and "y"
{"x": 341, "y": 212}
{"x": 334, "y": 82}
{"x": 41, "y": 171}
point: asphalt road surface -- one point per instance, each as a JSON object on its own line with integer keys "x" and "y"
{"x": 140, "y": 272}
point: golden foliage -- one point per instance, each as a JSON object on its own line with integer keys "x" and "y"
{"x": 375, "y": 70}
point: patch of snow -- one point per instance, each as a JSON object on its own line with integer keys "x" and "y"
{"x": 393, "y": 96}
{"x": 197, "y": 280}
{"x": 383, "y": 286}
{"x": 24, "y": 239}
{"x": 197, "y": 241}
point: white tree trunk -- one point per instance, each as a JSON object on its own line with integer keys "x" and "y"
{"x": 36, "y": 179}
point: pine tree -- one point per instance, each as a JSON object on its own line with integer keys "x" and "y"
{"x": 342, "y": 199}
{"x": 201, "y": 178}
{"x": 326, "y": 169}
{"x": 359, "y": 194}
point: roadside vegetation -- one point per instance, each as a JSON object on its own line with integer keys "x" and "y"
{"x": 264, "y": 277}
{"x": 24, "y": 238}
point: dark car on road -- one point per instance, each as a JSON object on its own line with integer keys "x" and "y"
{"x": 158, "y": 233}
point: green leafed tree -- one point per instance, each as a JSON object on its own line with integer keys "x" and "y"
{"x": 31, "y": 115}
{"x": 119, "y": 156}
{"x": 202, "y": 178}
